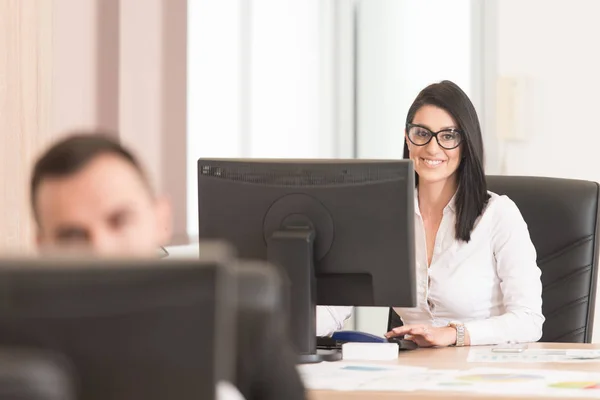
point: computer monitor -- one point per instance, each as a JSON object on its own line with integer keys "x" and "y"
{"x": 149, "y": 330}
{"x": 342, "y": 230}
{"x": 29, "y": 374}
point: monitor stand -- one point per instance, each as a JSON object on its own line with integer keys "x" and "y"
{"x": 292, "y": 250}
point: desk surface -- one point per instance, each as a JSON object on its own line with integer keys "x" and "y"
{"x": 456, "y": 358}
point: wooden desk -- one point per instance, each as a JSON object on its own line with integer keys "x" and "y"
{"x": 456, "y": 358}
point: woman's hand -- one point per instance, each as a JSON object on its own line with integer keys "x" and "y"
{"x": 426, "y": 336}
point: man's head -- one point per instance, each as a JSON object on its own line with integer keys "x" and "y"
{"x": 89, "y": 193}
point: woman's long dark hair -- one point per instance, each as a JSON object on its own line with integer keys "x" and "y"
{"x": 471, "y": 196}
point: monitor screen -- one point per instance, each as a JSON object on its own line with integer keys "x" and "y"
{"x": 129, "y": 329}
{"x": 342, "y": 230}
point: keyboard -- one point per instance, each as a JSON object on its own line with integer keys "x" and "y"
{"x": 338, "y": 338}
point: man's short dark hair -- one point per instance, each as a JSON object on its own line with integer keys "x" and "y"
{"x": 70, "y": 155}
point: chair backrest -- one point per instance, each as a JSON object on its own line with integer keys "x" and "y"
{"x": 562, "y": 217}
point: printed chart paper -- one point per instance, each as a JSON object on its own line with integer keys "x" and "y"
{"x": 541, "y": 383}
{"x": 490, "y": 381}
{"x": 347, "y": 376}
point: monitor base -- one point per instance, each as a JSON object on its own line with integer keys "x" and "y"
{"x": 320, "y": 356}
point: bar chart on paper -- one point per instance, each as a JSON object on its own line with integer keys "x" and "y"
{"x": 585, "y": 385}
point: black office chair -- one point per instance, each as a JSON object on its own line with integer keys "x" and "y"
{"x": 562, "y": 217}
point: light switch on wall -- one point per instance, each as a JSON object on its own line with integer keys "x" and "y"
{"x": 514, "y": 108}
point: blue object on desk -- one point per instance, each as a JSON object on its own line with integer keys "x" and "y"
{"x": 357, "y": 336}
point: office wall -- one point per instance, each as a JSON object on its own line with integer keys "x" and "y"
{"x": 401, "y": 48}
{"x": 284, "y": 80}
{"x": 553, "y": 48}
{"x": 556, "y": 52}
{"x": 74, "y": 64}
{"x": 260, "y": 90}
{"x": 75, "y": 70}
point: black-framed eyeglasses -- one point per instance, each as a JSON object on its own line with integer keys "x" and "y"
{"x": 446, "y": 138}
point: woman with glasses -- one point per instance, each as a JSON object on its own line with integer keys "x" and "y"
{"x": 477, "y": 277}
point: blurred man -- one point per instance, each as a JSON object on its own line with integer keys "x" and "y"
{"x": 88, "y": 193}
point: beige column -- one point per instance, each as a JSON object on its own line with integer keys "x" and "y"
{"x": 25, "y": 109}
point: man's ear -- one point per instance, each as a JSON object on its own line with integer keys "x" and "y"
{"x": 164, "y": 218}
{"x": 39, "y": 235}
{"x": 41, "y": 243}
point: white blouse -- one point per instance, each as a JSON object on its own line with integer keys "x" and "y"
{"x": 331, "y": 319}
{"x": 491, "y": 284}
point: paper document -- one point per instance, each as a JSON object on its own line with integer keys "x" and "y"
{"x": 486, "y": 355}
{"x": 349, "y": 376}
{"x": 540, "y": 383}
{"x": 344, "y": 376}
